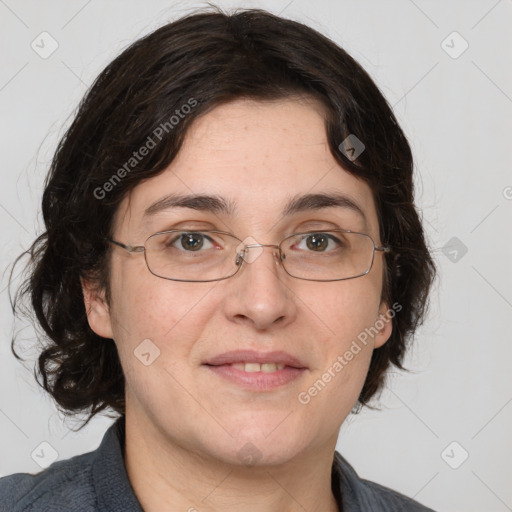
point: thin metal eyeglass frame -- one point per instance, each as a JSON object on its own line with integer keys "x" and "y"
{"x": 142, "y": 248}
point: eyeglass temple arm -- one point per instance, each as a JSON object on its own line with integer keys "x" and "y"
{"x": 129, "y": 248}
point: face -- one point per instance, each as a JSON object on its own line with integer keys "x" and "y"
{"x": 256, "y": 155}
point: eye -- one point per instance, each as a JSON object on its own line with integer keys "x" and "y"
{"x": 319, "y": 242}
{"x": 191, "y": 241}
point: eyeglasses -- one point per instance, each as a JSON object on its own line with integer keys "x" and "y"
{"x": 203, "y": 256}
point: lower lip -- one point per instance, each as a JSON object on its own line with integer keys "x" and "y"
{"x": 258, "y": 381}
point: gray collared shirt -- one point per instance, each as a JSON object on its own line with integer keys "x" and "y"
{"x": 97, "y": 482}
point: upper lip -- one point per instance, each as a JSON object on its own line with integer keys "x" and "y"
{"x": 253, "y": 356}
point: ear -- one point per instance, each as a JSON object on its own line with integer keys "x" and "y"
{"x": 384, "y": 325}
{"x": 96, "y": 307}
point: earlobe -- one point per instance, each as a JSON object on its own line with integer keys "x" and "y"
{"x": 384, "y": 325}
{"x": 97, "y": 310}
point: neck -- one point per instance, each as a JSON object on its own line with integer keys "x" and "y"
{"x": 167, "y": 476}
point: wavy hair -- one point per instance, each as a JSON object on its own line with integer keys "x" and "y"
{"x": 212, "y": 57}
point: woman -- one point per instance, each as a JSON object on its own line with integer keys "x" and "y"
{"x": 232, "y": 260}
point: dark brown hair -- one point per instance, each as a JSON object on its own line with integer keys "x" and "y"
{"x": 209, "y": 58}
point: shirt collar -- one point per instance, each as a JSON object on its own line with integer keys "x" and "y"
{"x": 113, "y": 489}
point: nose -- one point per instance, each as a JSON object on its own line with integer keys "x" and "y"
{"x": 260, "y": 293}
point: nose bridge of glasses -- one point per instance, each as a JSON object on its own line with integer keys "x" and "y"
{"x": 261, "y": 245}
{"x": 243, "y": 251}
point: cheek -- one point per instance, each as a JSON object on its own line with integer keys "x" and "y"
{"x": 147, "y": 307}
{"x": 155, "y": 327}
{"x": 345, "y": 314}
{"x": 342, "y": 310}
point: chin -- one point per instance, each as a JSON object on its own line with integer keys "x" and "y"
{"x": 257, "y": 455}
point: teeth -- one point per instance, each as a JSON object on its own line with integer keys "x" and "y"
{"x": 257, "y": 367}
{"x": 252, "y": 367}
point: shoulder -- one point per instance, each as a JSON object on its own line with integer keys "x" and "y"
{"x": 63, "y": 486}
{"x": 359, "y": 494}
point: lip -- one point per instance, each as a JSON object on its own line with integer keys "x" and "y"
{"x": 257, "y": 381}
{"x": 253, "y": 356}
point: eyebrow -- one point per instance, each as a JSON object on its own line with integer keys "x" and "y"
{"x": 220, "y": 205}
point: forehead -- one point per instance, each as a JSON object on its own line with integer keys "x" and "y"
{"x": 261, "y": 157}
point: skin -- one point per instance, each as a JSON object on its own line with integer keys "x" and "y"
{"x": 184, "y": 425}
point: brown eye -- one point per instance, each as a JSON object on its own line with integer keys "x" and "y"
{"x": 189, "y": 242}
{"x": 192, "y": 241}
{"x": 317, "y": 242}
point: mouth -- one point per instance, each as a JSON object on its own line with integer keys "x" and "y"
{"x": 256, "y": 371}
{"x": 249, "y": 367}
{"x": 250, "y": 358}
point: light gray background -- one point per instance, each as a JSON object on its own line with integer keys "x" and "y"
{"x": 457, "y": 115}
